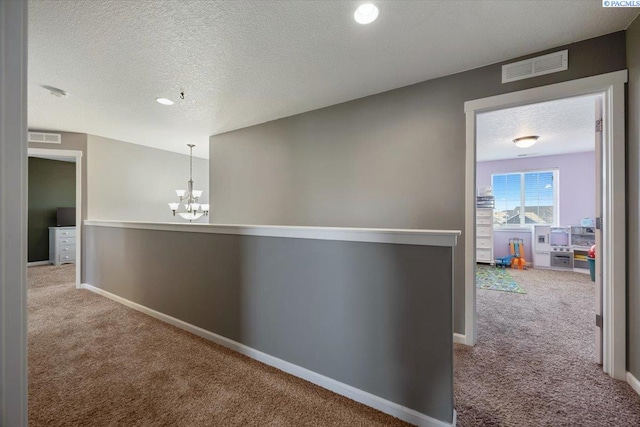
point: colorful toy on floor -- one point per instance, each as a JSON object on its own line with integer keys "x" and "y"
{"x": 517, "y": 248}
{"x": 516, "y": 259}
{"x": 505, "y": 261}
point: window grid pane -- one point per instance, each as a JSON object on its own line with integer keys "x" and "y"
{"x": 506, "y": 190}
{"x": 539, "y": 198}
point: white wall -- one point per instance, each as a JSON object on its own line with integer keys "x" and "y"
{"x": 132, "y": 182}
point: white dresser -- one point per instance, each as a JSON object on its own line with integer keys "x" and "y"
{"x": 484, "y": 235}
{"x": 62, "y": 245}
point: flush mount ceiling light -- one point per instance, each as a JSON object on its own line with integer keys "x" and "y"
{"x": 56, "y": 92}
{"x": 526, "y": 141}
{"x": 366, "y": 13}
{"x": 164, "y": 101}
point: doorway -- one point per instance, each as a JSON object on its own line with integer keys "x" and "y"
{"x": 611, "y": 263}
{"x": 61, "y": 240}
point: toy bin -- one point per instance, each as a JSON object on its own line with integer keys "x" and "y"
{"x": 592, "y": 268}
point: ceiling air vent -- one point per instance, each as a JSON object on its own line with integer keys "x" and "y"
{"x": 45, "y": 138}
{"x": 533, "y": 67}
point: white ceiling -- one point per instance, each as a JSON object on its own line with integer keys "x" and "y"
{"x": 247, "y": 62}
{"x": 564, "y": 126}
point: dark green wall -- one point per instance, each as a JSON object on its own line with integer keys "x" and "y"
{"x": 52, "y": 184}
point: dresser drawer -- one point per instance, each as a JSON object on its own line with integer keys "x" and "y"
{"x": 66, "y": 233}
{"x": 69, "y": 249}
{"x": 67, "y": 256}
{"x": 65, "y": 241}
{"x": 483, "y": 243}
{"x": 483, "y": 255}
{"x": 484, "y": 213}
{"x": 484, "y": 220}
{"x": 484, "y": 230}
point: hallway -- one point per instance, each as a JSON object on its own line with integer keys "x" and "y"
{"x": 94, "y": 362}
{"x": 534, "y": 361}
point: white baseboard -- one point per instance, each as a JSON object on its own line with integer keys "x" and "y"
{"x": 383, "y": 405}
{"x": 37, "y": 263}
{"x": 633, "y": 382}
{"x": 460, "y": 339}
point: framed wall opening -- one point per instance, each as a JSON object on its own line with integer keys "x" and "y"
{"x": 77, "y": 158}
{"x": 611, "y": 87}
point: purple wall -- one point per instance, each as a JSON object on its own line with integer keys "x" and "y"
{"x": 576, "y": 176}
{"x": 501, "y": 243}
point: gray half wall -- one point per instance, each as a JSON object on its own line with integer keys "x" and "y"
{"x": 391, "y": 160}
{"x": 374, "y": 316}
{"x": 633, "y": 199}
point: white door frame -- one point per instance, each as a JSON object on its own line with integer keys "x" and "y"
{"x": 78, "y": 156}
{"x": 611, "y": 86}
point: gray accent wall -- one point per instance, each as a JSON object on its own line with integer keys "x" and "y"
{"x": 633, "y": 198}
{"x": 375, "y": 316}
{"x": 135, "y": 183}
{"x": 395, "y": 159}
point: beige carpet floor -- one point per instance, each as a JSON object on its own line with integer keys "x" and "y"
{"x": 534, "y": 362}
{"x": 93, "y": 362}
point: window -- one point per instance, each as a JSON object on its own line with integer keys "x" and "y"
{"x": 525, "y": 198}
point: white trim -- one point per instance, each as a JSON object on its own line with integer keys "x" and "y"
{"x": 614, "y": 235}
{"x": 447, "y": 238}
{"x": 37, "y": 263}
{"x": 585, "y": 86}
{"x": 383, "y": 405}
{"x": 459, "y": 338}
{"x": 52, "y": 152}
{"x": 611, "y": 85}
{"x": 633, "y": 382}
{"x": 470, "y": 330}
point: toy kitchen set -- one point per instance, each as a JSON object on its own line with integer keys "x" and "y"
{"x": 563, "y": 248}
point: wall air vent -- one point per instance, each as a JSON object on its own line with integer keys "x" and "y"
{"x": 45, "y": 138}
{"x": 533, "y": 67}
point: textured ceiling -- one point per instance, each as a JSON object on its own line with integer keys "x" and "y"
{"x": 247, "y": 62}
{"x": 564, "y": 126}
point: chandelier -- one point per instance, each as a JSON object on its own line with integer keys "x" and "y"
{"x": 189, "y": 197}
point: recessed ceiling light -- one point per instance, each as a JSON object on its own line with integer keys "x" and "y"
{"x": 526, "y": 141}
{"x": 366, "y": 13}
{"x": 164, "y": 101}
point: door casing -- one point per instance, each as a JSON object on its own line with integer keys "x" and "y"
{"x": 611, "y": 87}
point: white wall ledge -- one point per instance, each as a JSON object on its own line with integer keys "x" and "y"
{"x": 447, "y": 238}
